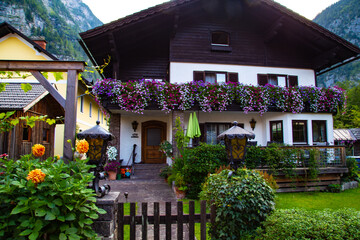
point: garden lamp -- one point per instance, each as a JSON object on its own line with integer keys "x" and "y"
{"x": 235, "y": 139}
{"x": 98, "y": 139}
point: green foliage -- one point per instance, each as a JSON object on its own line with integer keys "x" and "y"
{"x": 181, "y": 139}
{"x": 313, "y": 164}
{"x": 274, "y": 157}
{"x": 199, "y": 162}
{"x": 26, "y": 87}
{"x": 165, "y": 172}
{"x": 3, "y": 86}
{"x": 334, "y": 188}
{"x": 166, "y": 149}
{"x": 353, "y": 173}
{"x": 302, "y": 224}
{"x": 243, "y": 200}
{"x": 6, "y": 123}
{"x": 60, "y": 207}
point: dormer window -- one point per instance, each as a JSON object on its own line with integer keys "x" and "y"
{"x": 219, "y": 38}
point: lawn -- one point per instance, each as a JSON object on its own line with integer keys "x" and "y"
{"x": 307, "y": 200}
{"x": 319, "y": 200}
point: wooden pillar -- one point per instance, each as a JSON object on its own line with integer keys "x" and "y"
{"x": 70, "y": 113}
{"x": 175, "y": 115}
{"x": 115, "y": 129}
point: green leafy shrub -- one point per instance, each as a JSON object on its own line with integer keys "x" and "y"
{"x": 243, "y": 200}
{"x": 199, "y": 162}
{"x": 297, "y": 224}
{"x": 334, "y": 188}
{"x": 352, "y": 174}
{"x": 57, "y": 206}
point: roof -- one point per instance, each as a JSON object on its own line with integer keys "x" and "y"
{"x": 6, "y": 28}
{"x": 14, "y": 98}
{"x": 352, "y": 134}
{"x": 349, "y": 51}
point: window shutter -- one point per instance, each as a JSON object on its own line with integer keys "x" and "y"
{"x": 293, "y": 81}
{"x": 233, "y": 77}
{"x": 199, "y": 76}
{"x": 262, "y": 79}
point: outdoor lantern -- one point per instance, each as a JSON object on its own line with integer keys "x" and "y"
{"x": 134, "y": 125}
{"x": 252, "y": 124}
{"x": 235, "y": 139}
{"x": 98, "y": 139}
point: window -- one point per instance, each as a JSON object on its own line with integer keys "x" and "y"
{"x": 277, "y": 80}
{"x": 319, "y": 131}
{"x": 215, "y": 77}
{"x": 299, "y": 130}
{"x": 102, "y": 118}
{"x": 26, "y": 133}
{"x": 210, "y": 131}
{"x": 220, "y": 38}
{"x": 82, "y": 104}
{"x": 99, "y": 114}
{"x": 46, "y": 135}
{"x": 276, "y": 131}
{"x": 90, "y": 110}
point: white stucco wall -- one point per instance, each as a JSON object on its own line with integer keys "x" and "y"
{"x": 183, "y": 72}
{"x": 126, "y": 142}
{"x": 262, "y": 128}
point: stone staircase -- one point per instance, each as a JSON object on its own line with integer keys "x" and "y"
{"x": 147, "y": 172}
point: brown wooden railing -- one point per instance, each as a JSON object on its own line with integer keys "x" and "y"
{"x": 168, "y": 220}
{"x": 330, "y": 156}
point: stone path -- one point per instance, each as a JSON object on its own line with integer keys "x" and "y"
{"x": 147, "y": 186}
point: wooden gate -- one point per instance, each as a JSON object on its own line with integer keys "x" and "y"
{"x": 168, "y": 219}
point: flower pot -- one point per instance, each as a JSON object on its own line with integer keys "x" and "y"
{"x": 179, "y": 194}
{"x": 112, "y": 175}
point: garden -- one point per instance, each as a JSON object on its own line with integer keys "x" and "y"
{"x": 248, "y": 206}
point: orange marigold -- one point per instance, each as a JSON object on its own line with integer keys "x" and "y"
{"x": 38, "y": 150}
{"x": 82, "y": 146}
{"x": 36, "y": 176}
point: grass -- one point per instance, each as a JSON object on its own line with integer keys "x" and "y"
{"x": 319, "y": 200}
{"x": 306, "y": 200}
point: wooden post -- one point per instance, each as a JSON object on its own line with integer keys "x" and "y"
{"x": 70, "y": 113}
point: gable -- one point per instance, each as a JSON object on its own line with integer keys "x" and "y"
{"x": 266, "y": 34}
{"x": 14, "y": 47}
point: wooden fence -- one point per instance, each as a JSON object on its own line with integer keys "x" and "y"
{"x": 168, "y": 220}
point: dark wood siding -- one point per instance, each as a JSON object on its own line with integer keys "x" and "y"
{"x": 15, "y": 145}
{"x": 248, "y": 45}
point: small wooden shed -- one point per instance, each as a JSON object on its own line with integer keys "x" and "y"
{"x": 350, "y": 138}
{"x": 36, "y": 102}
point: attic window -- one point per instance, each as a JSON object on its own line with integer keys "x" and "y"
{"x": 220, "y": 38}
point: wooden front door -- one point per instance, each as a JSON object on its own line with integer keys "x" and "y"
{"x": 153, "y": 133}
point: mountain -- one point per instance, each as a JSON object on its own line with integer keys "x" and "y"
{"x": 59, "y": 21}
{"x": 342, "y": 18}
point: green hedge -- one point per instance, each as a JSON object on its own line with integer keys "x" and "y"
{"x": 200, "y": 161}
{"x": 298, "y": 224}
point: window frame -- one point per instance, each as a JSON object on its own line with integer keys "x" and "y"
{"x": 29, "y": 129}
{"x": 82, "y": 104}
{"x": 281, "y": 132}
{"x": 226, "y": 34}
{"x": 201, "y": 76}
{"x": 90, "y": 110}
{"x": 312, "y": 126}
{"x": 47, "y": 140}
{"x": 290, "y": 80}
{"x": 306, "y": 142}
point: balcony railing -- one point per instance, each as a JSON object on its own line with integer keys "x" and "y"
{"x": 138, "y": 96}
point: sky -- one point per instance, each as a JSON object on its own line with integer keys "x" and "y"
{"x": 110, "y": 10}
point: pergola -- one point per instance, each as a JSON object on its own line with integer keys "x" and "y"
{"x": 72, "y": 68}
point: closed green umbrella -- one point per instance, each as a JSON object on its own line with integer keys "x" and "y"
{"x": 196, "y": 127}
{"x": 190, "y": 131}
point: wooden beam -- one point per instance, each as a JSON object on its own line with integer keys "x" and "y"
{"x": 44, "y": 66}
{"x": 115, "y": 54}
{"x": 46, "y": 84}
{"x": 70, "y": 113}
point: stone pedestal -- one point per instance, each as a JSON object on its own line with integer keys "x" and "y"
{"x": 105, "y": 226}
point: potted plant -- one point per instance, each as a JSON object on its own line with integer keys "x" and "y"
{"x": 111, "y": 168}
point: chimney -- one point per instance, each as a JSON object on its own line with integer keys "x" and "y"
{"x": 39, "y": 40}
